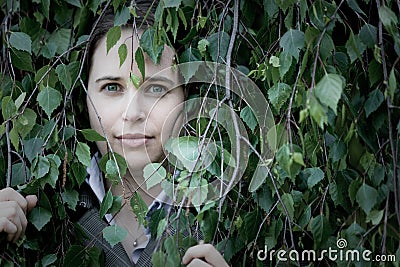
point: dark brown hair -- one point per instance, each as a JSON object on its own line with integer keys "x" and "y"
{"x": 145, "y": 10}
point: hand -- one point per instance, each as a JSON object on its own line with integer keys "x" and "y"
{"x": 13, "y": 208}
{"x": 203, "y": 255}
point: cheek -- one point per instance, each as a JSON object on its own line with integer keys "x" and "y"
{"x": 169, "y": 120}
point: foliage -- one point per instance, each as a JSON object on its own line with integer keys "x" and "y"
{"x": 330, "y": 69}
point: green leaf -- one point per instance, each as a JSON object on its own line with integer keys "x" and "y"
{"x": 218, "y": 45}
{"x": 153, "y": 174}
{"x": 48, "y": 259}
{"x": 139, "y": 207}
{"x": 21, "y": 59}
{"x": 120, "y": 161}
{"x": 338, "y": 151}
{"x": 199, "y": 194}
{"x": 273, "y": 233}
{"x": 83, "y": 153}
{"x": 158, "y": 259}
{"x": 49, "y": 99}
{"x": 353, "y": 5}
{"x": 14, "y": 138}
{"x": 173, "y": 257}
{"x": 70, "y": 197}
{"x": 20, "y": 174}
{"x": 76, "y": 3}
{"x": 150, "y": 44}
{"x": 387, "y": 16}
{"x": 92, "y": 135}
{"x": 46, "y": 8}
{"x": 52, "y": 175}
{"x": 355, "y": 48}
{"x": 259, "y": 177}
{"x": 79, "y": 172}
{"x": 285, "y": 60}
{"x": 189, "y": 70}
{"x": 290, "y": 161}
{"x": 32, "y": 147}
{"x": 135, "y": 80}
{"x": 122, "y": 16}
{"x": 186, "y": 150}
{"x": 320, "y": 229}
{"x": 42, "y": 167}
{"x": 329, "y": 90}
{"x": 106, "y": 204}
{"x": 139, "y": 58}
{"x": 287, "y": 200}
{"x": 172, "y": 3}
{"x": 112, "y": 37}
{"x": 21, "y": 41}
{"x": 247, "y": 115}
{"x": 111, "y": 169}
{"x": 375, "y": 217}
{"x": 114, "y": 234}
{"x": 20, "y": 99}
{"x": 318, "y": 112}
{"x": 39, "y": 217}
{"x": 182, "y": 17}
{"x": 8, "y": 108}
{"x": 392, "y": 84}
{"x": 116, "y": 205}
{"x": 64, "y": 76}
{"x": 161, "y": 227}
{"x": 172, "y": 22}
{"x": 368, "y": 35}
{"x": 375, "y": 99}
{"x": 279, "y": 94}
{"x": 292, "y": 42}
{"x": 263, "y": 198}
{"x": 59, "y": 40}
{"x": 122, "y": 53}
{"x": 314, "y": 176}
{"x": 367, "y": 197}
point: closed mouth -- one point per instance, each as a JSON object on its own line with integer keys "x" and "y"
{"x": 134, "y": 140}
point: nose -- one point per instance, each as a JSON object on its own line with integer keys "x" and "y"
{"x": 134, "y": 108}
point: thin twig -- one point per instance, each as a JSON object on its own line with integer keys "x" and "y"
{"x": 8, "y": 183}
{"x": 389, "y": 112}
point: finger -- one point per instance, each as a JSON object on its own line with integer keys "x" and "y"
{"x": 17, "y": 217}
{"x": 9, "y": 194}
{"x": 198, "y": 263}
{"x": 11, "y": 211}
{"x": 31, "y": 201}
{"x": 8, "y": 227}
{"x": 206, "y": 251}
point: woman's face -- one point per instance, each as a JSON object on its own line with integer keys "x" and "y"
{"x": 137, "y": 121}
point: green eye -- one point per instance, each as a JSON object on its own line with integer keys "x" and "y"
{"x": 156, "y": 89}
{"x": 112, "y": 87}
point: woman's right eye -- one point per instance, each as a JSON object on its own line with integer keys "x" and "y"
{"x": 111, "y": 87}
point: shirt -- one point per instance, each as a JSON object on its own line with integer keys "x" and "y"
{"x": 96, "y": 183}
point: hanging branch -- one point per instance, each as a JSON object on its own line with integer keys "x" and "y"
{"x": 390, "y": 126}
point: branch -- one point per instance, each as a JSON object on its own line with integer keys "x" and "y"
{"x": 389, "y": 112}
{"x": 8, "y": 182}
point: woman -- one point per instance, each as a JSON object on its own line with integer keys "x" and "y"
{"x": 136, "y": 122}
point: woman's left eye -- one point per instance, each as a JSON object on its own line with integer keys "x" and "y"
{"x": 157, "y": 89}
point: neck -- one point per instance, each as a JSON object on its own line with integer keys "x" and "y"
{"x": 135, "y": 183}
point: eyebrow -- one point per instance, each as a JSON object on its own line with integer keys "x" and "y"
{"x": 147, "y": 79}
{"x": 109, "y": 78}
{"x": 159, "y": 79}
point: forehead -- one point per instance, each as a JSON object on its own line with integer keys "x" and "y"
{"x": 103, "y": 63}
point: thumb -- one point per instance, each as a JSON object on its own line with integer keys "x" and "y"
{"x": 32, "y": 201}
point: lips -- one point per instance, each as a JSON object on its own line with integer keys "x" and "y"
{"x": 134, "y": 140}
